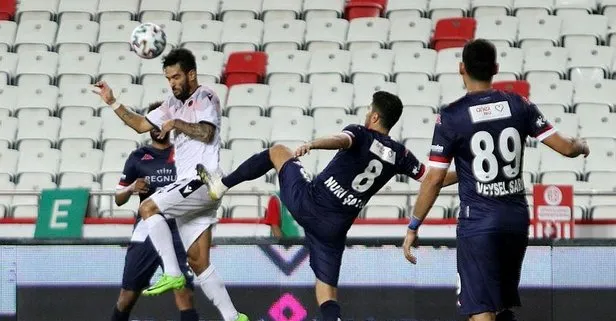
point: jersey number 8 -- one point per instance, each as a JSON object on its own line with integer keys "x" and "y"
{"x": 364, "y": 181}
{"x": 485, "y": 163}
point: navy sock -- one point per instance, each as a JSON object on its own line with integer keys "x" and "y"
{"x": 254, "y": 167}
{"x": 330, "y": 311}
{"x": 119, "y": 315}
{"x": 189, "y": 315}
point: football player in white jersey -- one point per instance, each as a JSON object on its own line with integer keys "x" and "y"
{"x": 193, "y": 112}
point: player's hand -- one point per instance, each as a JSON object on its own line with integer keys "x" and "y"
{"x": 167, "y": 126}
{"x": 585, "y": 149}
{"x": 141, "y": 186}
{"x": 409, "y": 243}
{"x": 105, "y": 92}
{"x": 303, "y": 150}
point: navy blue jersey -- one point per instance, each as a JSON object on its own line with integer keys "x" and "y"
{"x": 355, "y": 174}
{"x": 484, "y": 133}
{"x": 155, "y": 165}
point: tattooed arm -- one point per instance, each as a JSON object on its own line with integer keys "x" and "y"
{"x": 135, "y": 121}
{"x": 201, "y": 131}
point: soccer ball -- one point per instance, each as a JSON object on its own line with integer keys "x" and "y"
{"x": 148, "y": 40}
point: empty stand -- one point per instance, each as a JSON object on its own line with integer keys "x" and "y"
{"x": 500, "y": 30}
{"x": 409, "y": 33}
{"x": 318, "y": 9}
{"x": 281, "y": 10}
{"x": 287, "y": 66}
{"x": 280, "y": 35}
{"x": 355, "y": 9}
{"x": 326, "y": 34}
{"x": 198, "y": 10}
{"x": 245, "y": 67}
{"x": 241, "y": 35}
{"x": 453, "y": 32}
{"x": 8, "y": 29}
{"x": 121, "y": 10}
{"x": 82, "y": 10}
{"x": 7, "y": 9}
{"x": 367, "y": 33}
{"x": 200, "y": 35}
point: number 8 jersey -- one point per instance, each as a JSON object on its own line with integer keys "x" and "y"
{"x": 484, "y": 133}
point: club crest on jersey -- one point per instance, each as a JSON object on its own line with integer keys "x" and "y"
{"x": 383, "y": 152}
{"x": 489, "y": 112}
{"x": 147, "y": 157}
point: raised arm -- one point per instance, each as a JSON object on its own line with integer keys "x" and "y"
{"x": 135, "y": 121}
{"x": 202, "y": 131}
{"x": 338, "y": 141}
{"x": 567, "y": 146}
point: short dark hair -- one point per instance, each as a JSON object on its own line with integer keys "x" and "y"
{"x": 479, "y": 58}
{"x": 181, "y": 56}
{"x": 388, "y": 106}
{"x": 154, "y": 105}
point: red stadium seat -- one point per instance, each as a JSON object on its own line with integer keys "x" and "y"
{"x": 7, "y": 9}
{"x": 453, "y": 32}
{"x": 520, "y": 87}
{"x": 245, "y": 68}
{"x": 363, "y": 9}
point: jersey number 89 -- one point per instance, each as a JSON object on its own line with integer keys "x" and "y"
{"x": 485, "y": 162}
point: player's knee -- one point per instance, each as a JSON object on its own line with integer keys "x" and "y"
{"x": 198, "y": 264}
{"x": 127, "y": 300}
{"x": 279, "y": 154}
{"x": 184, "y": 299}
{"x": 147, "y": 209}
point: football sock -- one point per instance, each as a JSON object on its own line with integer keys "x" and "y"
{"x": 330, "y": 311}
{"x": 254, "y": 167}
{"x": 214, "y": 289}
{"x": 189, "y": 315}
{"x": 161, "y": 238}
{"x": 119, "y": 315}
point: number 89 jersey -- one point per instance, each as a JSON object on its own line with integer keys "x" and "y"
{"x": 485, "y": 133}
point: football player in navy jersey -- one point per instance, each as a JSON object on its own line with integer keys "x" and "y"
{"x": 484, "y": 132}
{"x": 327, "y": 206}
{"x": 147, "y": 169}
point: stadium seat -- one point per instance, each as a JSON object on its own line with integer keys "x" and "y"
{"x": 365, "y": 89}
{"x": 574, "y": 8}
{"x": 486, "y": 8}
{"x": 77, "y": 68}
{"x": 552, "y": 161}
{"x": 331, "y": 95}
{"x": 532, "y": 8}
{"x": 287, "y": 66}
{"x": 283, "y": 35}
{"x": 531, "y": 161}
{"x": 35, "y": 35}
{"x": 539, "y": 31}
{"x": 153, "y": 10}
{"x": 33, "y": 182}
{"x": 355, "y": 9}
{"x": 241, "y": 35}
{"x": 367, "y": 33}
{"x": 292, "y": 129}
{"x": 592, "y": 97}
{"x": 8, "y": 129}
{"x": 500, "y": 30}
{"x": 38, "y": 160}
{"x": 326, "y": 34}
{"x": 323, "y": 158}
{"x": 417, "y": 122}
{"x": 107, "y": 207}
{"x": 409, "y": 33}
{"x": 371, "y": 64}
{"x": 36, "y": 10}
{"x": 36, "y": 68}
{"x": 131, "y": 95}
{"x": 510, "y": 61}
{"x": 246, "y": 127}
{"x": 602, "y": 212}
{"x": 401, "y": 9}
{"x": 601, "y": 161}
{"x": 447, "y": 61}
{"x": 115, "y": 34}
{"x": 519, "y": 87}
{"x": 319, "y": 9}
{"x": 602, "y": 180}
{"x": 78, "y": 180}
{"x": 589, "y": 63}
{"x": 81, "y": 162}
{"x": 247, "y": 99}
{"x": 121, "y": 65}
{"x": 281, "y": 10}
{"x": 542, "y": 64}
{"x": 8, "y": 161}
{"x": 37, "y": 97}
{"x": 7, "y": 9}
{"x": 226, "y": 160}
{"x": 452, "y": 88}
{"x": 597, "y": 200}
{"x": 209, "y": 65}
{"x": 567, "y": 124}
{"x": 245, "y": 67}
{"x": 8, "y": 29}
{"x": 121, "y": 10}
{"x": 443, "y": 9}
{"x": 172, "y": 29}
{"x": 37, "y": 126}
{"x": 559, "y": 177}
{"x": 414, "y": 63}
{"x": 289, "y": 98}
{"x": 588, "y": 30}
{"x": 198, "y": 10}
{"x": 381, "y": 211}
{"x": 329, "y": 66}
{"x": 88, "y": 128}
{"x": 426, "y": 94}
{"x": 79, "y": 96}
{"x": 201, "y": 35}
{"x": 221, "y": 91}
{"x": 552, "y": 93}
{"x": 115, "y": 129}
{"x": 240, "y": 9}
{"x": 82, "y": 10}
{"x": 328, "y": 122}
{"x": 8, "y": 66}
{"x": 76, "y": 35}
{"x": 453, "y": 32}
{"x": 599, "y": 126}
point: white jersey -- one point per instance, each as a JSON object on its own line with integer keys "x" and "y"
{"x": 202, "y": 106}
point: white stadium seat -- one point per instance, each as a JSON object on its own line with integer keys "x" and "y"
{"x": 117, "y": 10}
{"x": 82, "y": 10}
{"x": 318, "y": 9}
{"x": 292, "y": 129}
{"x": 326, "y": 95}
{"x": 36, "y": 10}
{"x": 77, "y": 68}
{"x": 531, "y": 8}
{"x": 426, "y": 94}
{"x": 589, "y": 63}
{"x": 486, "y": 8}
{"x": 240, "y": 9}
{"x": 367, "y": 33}
{"x": 594, "y": 96}
{"x": 76, "y": 35}
{"x": 588, "y": 30}
{"x": 402, "y": 9}
{"x": 371, "y": 64}
{"x": 8, "y": 29}
{"x": 36, "y": 67}
{"x": 500, "y": 30}
{"x": 293, "y": 98}
{"x": 241, "y": 35}
{"x": 539, "y": 31}
{"x": 287, "y": 66}
{"x": 329, "y": 66}
{"x": 409, "y": 33}
{"x": 559, "y": 92}
{"x": 420, "y": 61}
{"x": 158, "y": 10}
{"x": 201, "y": 35}
{"x": 326, "y": 34}
{"x": 283, "y": 35}
{"x": 447, "y": 61}
{"x": 438, "y": 9}
{"x": 281, "y": 10}
{"x": 172, "y": 29}
{"x": 209, "y": 65}
{"x": 545, "y": 63}
{"x": 198, "y": 10}
{"x": 8, "y": 131}
{"x": 81, "y": 162}
{"x": 115, "y": 35}
{"x": 249, "y": 99}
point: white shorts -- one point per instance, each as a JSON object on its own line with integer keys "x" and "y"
{"x": 188, "y": 202}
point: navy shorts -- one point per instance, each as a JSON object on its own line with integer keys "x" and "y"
{"x": 142, "y": 261}
{"x": 489, "y": 267}
{"x": 325, "y": 247}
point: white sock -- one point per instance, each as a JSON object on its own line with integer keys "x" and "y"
{"x": 214, "y": 289}
{"x": 161, "y": 238}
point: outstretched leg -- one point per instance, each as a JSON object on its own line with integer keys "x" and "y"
{"x": 327, "y": 298}
{"x": 254, "y": 167}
